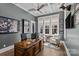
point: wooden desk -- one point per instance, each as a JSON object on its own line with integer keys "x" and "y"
{"x": 28, "y": 48}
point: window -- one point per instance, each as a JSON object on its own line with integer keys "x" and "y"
{"x": 40, "y": 25}
{"x": 46, "y": 24}
{"x": 49, "y": 24}
{"x": 54, "y": 29}
{"x": 46, "y": 29}
{"x": 41, "y": 29}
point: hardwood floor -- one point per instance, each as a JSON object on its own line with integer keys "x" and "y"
{"x": 45, "y": 52}
{"x": 52, "y": 52}
{"x": 8, "y": 53}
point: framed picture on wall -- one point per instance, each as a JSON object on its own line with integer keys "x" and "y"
{"x": 8, "y": 25}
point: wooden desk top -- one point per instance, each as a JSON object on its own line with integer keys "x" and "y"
{"x": 26, "y": 44}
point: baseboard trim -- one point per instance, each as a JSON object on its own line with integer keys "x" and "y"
{"x": 66, "y": 49}
{"x": 6, "y": 49}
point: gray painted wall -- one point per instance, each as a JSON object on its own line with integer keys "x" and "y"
{"x": 61, "y": 25}
{"x": 9, "y": 39}
{"x": 72, "y": 40}
{"x": 12, "y": 11}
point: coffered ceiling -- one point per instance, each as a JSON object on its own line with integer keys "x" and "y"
{"x": 38, "y": 9}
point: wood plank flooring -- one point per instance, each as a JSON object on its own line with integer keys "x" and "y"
{"x": 8, "y": 53}
{"x": 45, "y": 52}
{"x": 52, "y": 52}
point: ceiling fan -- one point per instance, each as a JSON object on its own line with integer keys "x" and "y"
{"x": 39, "y": 7}
{"x": 65, "y": 7}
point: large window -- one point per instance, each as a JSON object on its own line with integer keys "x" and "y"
{"x": 55, "y": 24}
{"x": 54, "y": 29}
{"x": 49, "y": 24}
{"x": 47, "y": 29}
{"x": 46, "y": 24}
{"x": 40, "y": 25}
{"x": 41, "y": 29}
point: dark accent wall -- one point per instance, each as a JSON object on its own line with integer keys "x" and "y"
{"x": 12, "y": 11}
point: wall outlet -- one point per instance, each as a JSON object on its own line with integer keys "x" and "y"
{"x": 4, "y": 45}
